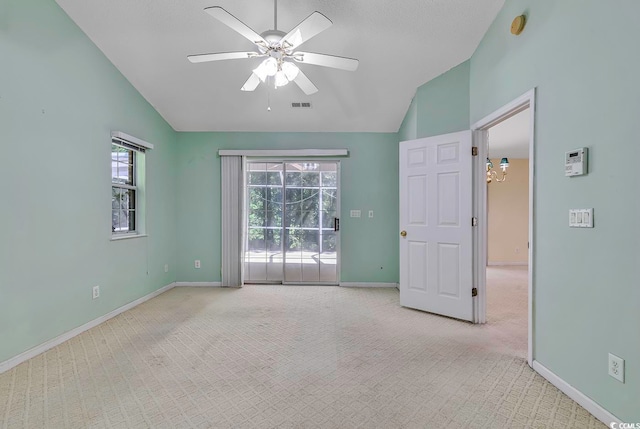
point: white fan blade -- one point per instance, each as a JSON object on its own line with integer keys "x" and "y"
{"x": 251, "y": 83}
{"x": 312, "y": 25}
{"x": 305, "y": 84}
{"x": 342, "y": 63}
{"x": 202, "y": 58}
{"x": 234, "y": 23}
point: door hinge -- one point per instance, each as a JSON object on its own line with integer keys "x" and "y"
{"x": 474, "y": 151}
{"x": 474, "y": 221}
{"x": 474, "y": 291}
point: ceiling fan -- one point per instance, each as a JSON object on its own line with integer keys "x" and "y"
{"x": 278, "y": 48}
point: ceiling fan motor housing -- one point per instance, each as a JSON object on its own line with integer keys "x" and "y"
{"x": 273, "y": 37}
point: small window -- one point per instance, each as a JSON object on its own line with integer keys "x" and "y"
{"x": 127, "y": 185}
{"x": 124, "y": 190}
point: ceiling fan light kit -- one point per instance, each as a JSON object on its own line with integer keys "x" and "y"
{"x": 268, "y": 67}
{"x": 280, "y": 79}
{"x": 278, "y": 47}
{"x": 290, "y": 70}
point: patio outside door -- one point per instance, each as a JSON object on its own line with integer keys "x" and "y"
{"x": 291, "y": 222}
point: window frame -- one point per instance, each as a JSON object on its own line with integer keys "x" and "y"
{"x": 134, "y": 154}
{"x": 137, "y": 169}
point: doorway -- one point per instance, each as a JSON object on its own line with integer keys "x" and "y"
{"x": 510, "y": 271}
{"x": 291, "y": 222}
{"x": 507, "y": 180}
{"x": 443, "y": 256}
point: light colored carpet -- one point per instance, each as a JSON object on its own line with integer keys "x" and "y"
{"x": 285, "y": 357}
{"x": 507, "y": 306}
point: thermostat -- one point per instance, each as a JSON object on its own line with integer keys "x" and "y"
{"x": 575, "y": 162}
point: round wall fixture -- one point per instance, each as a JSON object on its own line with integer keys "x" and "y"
{"x": 518, "y": 24}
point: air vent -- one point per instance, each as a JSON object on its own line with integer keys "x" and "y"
{"x": 301, "y": 105}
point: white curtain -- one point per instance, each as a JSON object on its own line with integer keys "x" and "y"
{"x": 232, "y": 220}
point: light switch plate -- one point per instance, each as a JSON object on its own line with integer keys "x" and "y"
{"x": 355, "y": 213}
{"x": 581, "y": 218}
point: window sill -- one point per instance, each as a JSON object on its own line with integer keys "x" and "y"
{"x": 126, "y": 236}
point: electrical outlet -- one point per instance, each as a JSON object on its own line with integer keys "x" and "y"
{"x": 197, "y": 263}
{"x": 166, "y": 268}
{"x": 96, "y": 292}
{"x": 616, "y": 367}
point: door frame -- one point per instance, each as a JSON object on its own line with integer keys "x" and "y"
{"x": 479, "y": 129}
{"x": 288, "y": 160}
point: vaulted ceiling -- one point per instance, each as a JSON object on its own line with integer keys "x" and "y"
{"x": 400, "y": 45}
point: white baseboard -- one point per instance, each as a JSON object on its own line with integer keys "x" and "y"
{"x": 24, "y": 356}
{"x": 589, "y": 404}
{"x": 368, "y": 284}
{"x": 198, "y": 284}
{"x": 506, "y": 264}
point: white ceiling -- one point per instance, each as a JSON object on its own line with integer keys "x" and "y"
{"x": 400, "y": 45}
{"x": 510, "y": 138}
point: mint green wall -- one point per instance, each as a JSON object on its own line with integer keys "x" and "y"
{"x": 59, "y": 100}
{"x": 443, "y": 103}
{"x": 369, "y": 178}
{"x": 440, "y": 106}
{"x": 409, "y": 128}
{"x": 582, "y": 56}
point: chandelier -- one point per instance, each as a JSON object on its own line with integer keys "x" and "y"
{"x": 493, "y": 175}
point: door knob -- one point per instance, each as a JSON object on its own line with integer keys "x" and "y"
{"x": 403, "y": 233}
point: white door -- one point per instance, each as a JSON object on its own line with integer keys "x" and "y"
{"x": 435, "y": 223}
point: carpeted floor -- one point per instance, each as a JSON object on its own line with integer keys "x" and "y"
{"x": 507, "y": 306}
{"x": 288, "y": 357}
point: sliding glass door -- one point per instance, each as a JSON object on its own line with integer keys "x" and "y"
{"x": 310, "y": 236}
{"x": 292, "y": 222}
{"x": 264, "y": 238}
